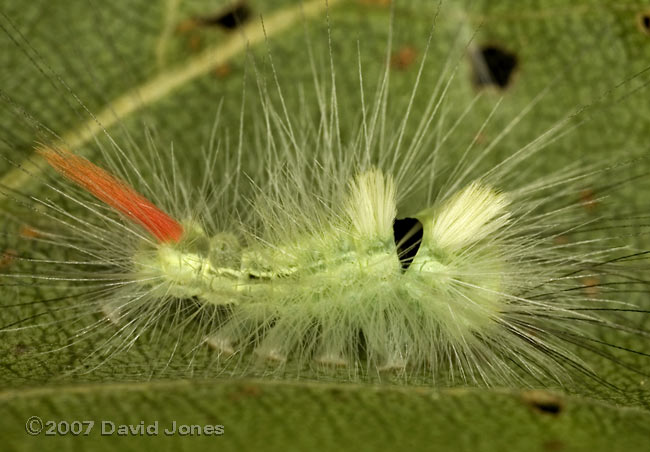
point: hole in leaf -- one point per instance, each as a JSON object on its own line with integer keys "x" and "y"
{"x": 544, "y": 402}
{"x": 548, "y": 407}
{"x": 234, "y": 16}
{"x": 408, "y": 237}
{"x": 494, "y": 66}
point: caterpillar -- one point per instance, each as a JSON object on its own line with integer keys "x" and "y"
{"x": 310, "y": 248}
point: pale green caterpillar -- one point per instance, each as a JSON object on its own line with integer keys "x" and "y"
{"x": 348, "y": 278}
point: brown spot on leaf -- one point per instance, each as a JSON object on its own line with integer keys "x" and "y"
{"x": 591, "y": 286}
{"x": 222, "y": 71}
{"x": 28, "y": 232}
{"x": 481, "y": 138}
{"x": 560, "y": 240}
{"x": 588, "y": 200}
{"x": 245, "y": 391}
{"x": 7, "y": 257}
{"x": 194, "y": 43}
{"x": 403, "y": 58}
{"x": 186, "y": 26}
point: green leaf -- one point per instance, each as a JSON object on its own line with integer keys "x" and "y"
{"x": 138, "y": 63}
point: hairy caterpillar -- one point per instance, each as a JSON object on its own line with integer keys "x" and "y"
{"x": 285, "y": 258}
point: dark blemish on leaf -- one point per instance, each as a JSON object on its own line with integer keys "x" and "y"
{"x": 643, "y": 21}
{"x": 403, "y": 58}
{"x": 493, "y": 66}
{"x": 339, "y": 394}
{"x": 408, "y": 237}
{"x": 553, "y": 445}
{"x": 544, "y": 402}
{"x": 20, "y": 349}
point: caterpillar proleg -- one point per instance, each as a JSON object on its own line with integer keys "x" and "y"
{"x": 393, "y": 236}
